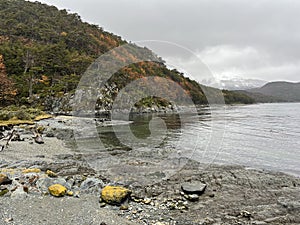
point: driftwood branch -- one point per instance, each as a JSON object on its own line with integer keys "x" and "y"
{"x": 11, "y": 135}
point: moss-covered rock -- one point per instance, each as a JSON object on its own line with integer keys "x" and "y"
{"x": 114, "y": 195}
{"x": 57, "y": 190}
{"x": 3, "y": 192}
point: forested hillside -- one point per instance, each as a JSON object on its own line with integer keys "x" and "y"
{"x": 44, "y": 52}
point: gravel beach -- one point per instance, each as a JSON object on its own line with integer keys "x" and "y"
{"x": 197, "y": 194}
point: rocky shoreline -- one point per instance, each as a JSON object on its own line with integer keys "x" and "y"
{"x": 197, "y": 194}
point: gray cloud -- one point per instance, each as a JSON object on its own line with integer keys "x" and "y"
{"x": 252, "y": 39}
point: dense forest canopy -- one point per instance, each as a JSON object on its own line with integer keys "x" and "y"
{"x": 45, "y": 52}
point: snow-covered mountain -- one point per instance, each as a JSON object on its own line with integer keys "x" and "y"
{"x": 236, "y": 83}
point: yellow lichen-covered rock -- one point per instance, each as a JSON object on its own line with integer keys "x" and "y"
{"x": 114, "y": 195}
{"x": 57, "y": 190}
{"x": 51, "y": 173}
{"x": 34, "y": 170}
{"x": 70, "y": 193}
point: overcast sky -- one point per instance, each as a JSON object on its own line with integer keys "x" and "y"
{"x": 245, "y": 38}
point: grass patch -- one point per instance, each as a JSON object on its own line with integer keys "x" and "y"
{"x": 15, "y": 122}
{"x": 21, "y": 115}
{"x": 42, "y": 117}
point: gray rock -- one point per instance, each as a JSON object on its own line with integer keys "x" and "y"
{"x": 192, "y": 197}
{"x": 193, "y": 188}
{"x": 44, "y": 183}
{"x": 39, "y": 140}
{"x": 92, "y": 185}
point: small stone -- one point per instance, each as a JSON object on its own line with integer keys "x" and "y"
{"x": 34, "y": 170}
{"x": 147, "y": 201}
{"x": 137, "y": 199}
{"x": 25, "y": 189}
{"x": 39, "y": 140}
{"x": 259, "y": 222}
{"x": 4, "y": 180}
{"x": 70, "y": 193}
{"x": 245, "y": 214}
{"x": 77, "y": 194}
{"x": 193, "y": 188}
{"x": 124, "y": 207}
{"x": 193, "y": 197}
{"x": 51, "y": 173}
{"x": 102, "y": 204}
{"x": 7, "y": 220}
{"x": 57, "y": 190}
{"x": 115, "y": 195}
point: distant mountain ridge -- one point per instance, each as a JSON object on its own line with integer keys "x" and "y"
{"x": 280, "y": 91}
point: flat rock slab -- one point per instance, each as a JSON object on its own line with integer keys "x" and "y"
{"x": 193, "y": 188}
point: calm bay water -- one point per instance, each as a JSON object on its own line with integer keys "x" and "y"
{"x": 263, "y": 136}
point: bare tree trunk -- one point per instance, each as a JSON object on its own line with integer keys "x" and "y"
{"x": 29, "y": 62}
{"x": 30, "y": 86}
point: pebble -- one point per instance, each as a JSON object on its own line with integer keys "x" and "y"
{"x": 147, "y": 201}
{"x": 192, "y": 197}
{"x": 124, "y": 207}
{"x": 51, "y": 173}
{"x": 245, "y": 214}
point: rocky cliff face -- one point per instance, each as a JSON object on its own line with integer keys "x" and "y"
{"x": 65, "y": 104}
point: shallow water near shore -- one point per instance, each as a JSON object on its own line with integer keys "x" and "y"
{"x": 261, "y": 136}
